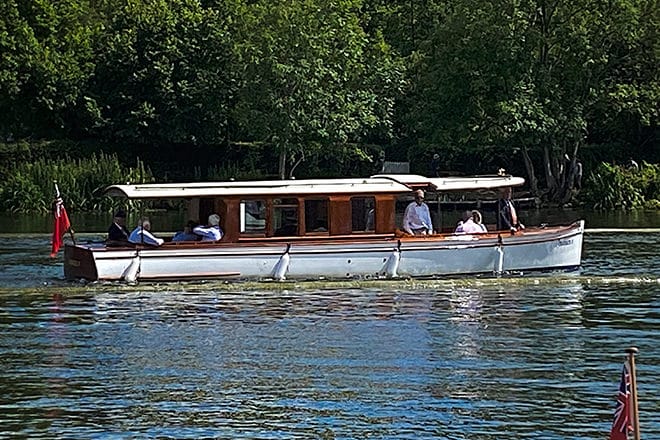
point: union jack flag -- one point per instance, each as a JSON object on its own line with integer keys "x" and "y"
{"x": 622, "y": 424}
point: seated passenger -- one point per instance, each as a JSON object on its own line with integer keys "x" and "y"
{"x": 472, "y": 225}
{"x": 187, "y": 233}
{"x": 476, "y": 218}
{"x": 117, "y": 233}
{"x": 464, "y": 218}
{"x": 212, "y": 231}
{"x": 141, "y": 234}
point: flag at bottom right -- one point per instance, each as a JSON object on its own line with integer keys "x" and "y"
{"x": 622, "y": 423}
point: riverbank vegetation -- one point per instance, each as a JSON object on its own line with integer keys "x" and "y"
{"x": 270, "y": 88}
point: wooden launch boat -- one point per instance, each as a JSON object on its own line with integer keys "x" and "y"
{"x": 324, "y": 229}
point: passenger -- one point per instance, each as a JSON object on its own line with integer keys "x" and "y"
{"x": 477, "y": 220}
{"x": 460, "y": 226}
{"x": 141, "y": 234}
{"x": 118, "y": 233}
{"x": 212, "y": 231}
{"x": 472, "y": 224}
{"x": 417, "y": 217}
{"x": 507, "y": 217}
{"x": 187, "y": 233}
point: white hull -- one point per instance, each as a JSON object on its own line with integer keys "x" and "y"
{"x": 442, "y": 255}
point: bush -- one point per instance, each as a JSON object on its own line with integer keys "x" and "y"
{"x": 613, "y": 187}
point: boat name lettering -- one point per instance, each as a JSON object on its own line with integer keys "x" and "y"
{"x": 567, "y": 242}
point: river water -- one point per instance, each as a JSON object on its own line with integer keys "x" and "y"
{"x": 535, "y": 357}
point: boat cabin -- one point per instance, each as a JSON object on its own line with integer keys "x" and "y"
{"x": 284, "y": 208}
{"x": 304, "y": 209}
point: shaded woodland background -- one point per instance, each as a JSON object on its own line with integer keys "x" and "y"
{"x": 214, "y": 89}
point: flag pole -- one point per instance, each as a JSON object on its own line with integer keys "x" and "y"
{"x": 632, "y": 351}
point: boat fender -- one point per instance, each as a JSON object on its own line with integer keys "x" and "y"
{"x": 130, "y": 274}
{"x": 392, "y": 265}
{"x": 282, "y": 265}
{"x": 499, "y": 259}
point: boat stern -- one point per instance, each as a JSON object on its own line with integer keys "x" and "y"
{"x": 79, "y": 263}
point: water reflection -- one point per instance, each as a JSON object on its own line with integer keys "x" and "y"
{"x": 473, "y": 362}
{"x": 476, "y": 358}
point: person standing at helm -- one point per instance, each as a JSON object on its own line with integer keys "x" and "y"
{"x": 212, "y": 231}
{"x": 507, "y": 216}
{"x": 417, "y": 217}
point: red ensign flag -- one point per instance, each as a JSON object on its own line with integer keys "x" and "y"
{"x": 62, "y": 224}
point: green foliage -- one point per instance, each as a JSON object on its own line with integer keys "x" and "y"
{"x": 45, "y": 64}
{"x": 486, "y": 84}
{"x": 614, "y": 187}
{"x": 29, "y": 186}
{"x": 312, "y": 77}
{"x": 162, "y": 73}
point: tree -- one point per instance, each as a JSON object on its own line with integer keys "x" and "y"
{"x": 499, "y": 77}
{"x": 313, "y": 80}
{"x": 163, "y": 73}
{"x": 46, "y": 60}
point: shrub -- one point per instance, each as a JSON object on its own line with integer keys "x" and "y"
{"x": 613, "y": 187}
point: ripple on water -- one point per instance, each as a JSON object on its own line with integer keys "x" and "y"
{"x": 449, "y": 362}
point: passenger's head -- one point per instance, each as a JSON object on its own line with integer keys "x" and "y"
{"x": 120, "y": 216}
{"x": 506, "y": 192}
{"x": 476, "y": 216}
{"x": 466, "y": 216}
{"x": 419, "y": 196}
{"x": 214, "y": 220}
{"x": 145, "y": 223}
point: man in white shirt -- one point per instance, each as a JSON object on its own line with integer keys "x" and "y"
{"x": 212, "y": 231}
{"x": 417, "y": 218}
{"x": 141, "y": 234}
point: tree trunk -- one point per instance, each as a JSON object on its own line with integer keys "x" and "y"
{"x": 529, "y": 166}
{"x": 282, "y": 163}
{"x": 568, "y": 193}
{"x": 551, "y": 183}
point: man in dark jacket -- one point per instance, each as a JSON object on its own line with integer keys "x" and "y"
{"x": 117, "y": 233}
{"x": 507, "y": 217}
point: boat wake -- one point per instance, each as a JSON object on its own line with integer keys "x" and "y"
{"x": 518, "y": 280}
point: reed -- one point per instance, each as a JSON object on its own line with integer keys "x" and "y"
{"x": 28, "y": 187}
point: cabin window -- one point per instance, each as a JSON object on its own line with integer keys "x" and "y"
{"x": 316, "y": 215}
{"x": 285, "y": 216}
{"x": 363, "y": 211}
{"x": 253, "y": 216}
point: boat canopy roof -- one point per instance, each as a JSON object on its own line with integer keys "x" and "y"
{"x": 372, "y": 185}
{"x": 454, "y": 183}
{"x": 379, "y": 184}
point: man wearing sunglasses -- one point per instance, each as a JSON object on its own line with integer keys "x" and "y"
{"x": 417, "y": 218}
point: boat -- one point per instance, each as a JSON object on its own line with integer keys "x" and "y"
{"x": 344, "y": 228}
